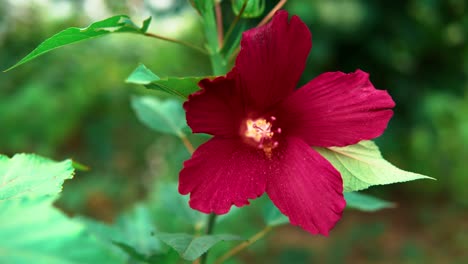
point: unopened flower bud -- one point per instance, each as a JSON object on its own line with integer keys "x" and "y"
{"x": 253, "y": 8}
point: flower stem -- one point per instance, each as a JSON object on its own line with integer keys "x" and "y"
{"x": 213, "y": 24}
{"x": 272, "y": 12}
{"x": 211, "y": 223}
{"x": 180, "y": 42}
{"x": 187, "y": 144}
{"x": 209, "y": 230}
{"x": 219, "y": 22}
{"x": 243, "y": 245}
{"x": 211, "y": 28}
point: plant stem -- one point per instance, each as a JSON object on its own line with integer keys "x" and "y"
{"x": 234, "y": 23}
{"x": 209, "y": 230}
{"x": 272, "y": 13}
{"x": 180, "y": 42}
{"x": 211, "y": 224}
{"x": 218, "y": 63}
{"x": 219, "y": 22}
{"x": 234, "y": 54}
{"x": 187, "y": 144}
{"x": 213, "y": 24}
{"x": 243, "y": 245}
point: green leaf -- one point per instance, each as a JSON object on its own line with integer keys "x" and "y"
{"x": 167, "y": 258}
{"x": 177, "y": 206}
{"x": 28, "y": 175}
{"x": 131, "y": 232}
{"x": 181, "y": 87}
{"x": 165, "y": 116}
{"x": 146, "y": 24}
{"x": 142, "y": 75}
{"x": 33, "y": 231}
{"x": 170, "y": 257}
{"x": 364, "y": 202}
{"x": 79, "y": 167}
{"x": 115, "y": 24}
{"x": 362, "y": 165}
{"x": 191, "y": 247}
{"x": 203, "y": 6}
{"x": 131, "y": 251}
{"x": 354, "y": 200}
{"x": 137, "y": 230}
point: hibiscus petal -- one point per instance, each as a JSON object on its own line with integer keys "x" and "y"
{"x": 271, "y": 60}
{"x": 223, "y": 172}
{"x": 337, "y": 109}
{"x": 306, "y": 188}
{"x": 214, "y": 109}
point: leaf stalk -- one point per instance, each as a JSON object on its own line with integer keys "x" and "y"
{"x": 180, "y": 42}
{"x": 243, "y": 245}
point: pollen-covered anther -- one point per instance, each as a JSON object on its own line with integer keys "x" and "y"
{"x": 259, "y": 132}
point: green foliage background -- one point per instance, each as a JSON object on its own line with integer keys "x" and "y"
{"x": 74, "y": 103}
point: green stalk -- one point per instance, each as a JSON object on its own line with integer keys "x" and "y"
{"x": 218, "y": 62}
{"x": 209, "y": 231}
{"x": 213, "y": 33}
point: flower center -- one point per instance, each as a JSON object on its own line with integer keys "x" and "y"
{"x": 260, "y": 133}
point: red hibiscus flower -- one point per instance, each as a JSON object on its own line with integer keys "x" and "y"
{"x": 263, "y": 129}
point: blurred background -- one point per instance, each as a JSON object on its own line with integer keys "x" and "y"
{"x": 74, "y": 103}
